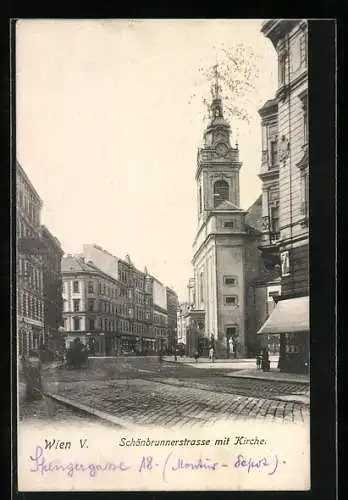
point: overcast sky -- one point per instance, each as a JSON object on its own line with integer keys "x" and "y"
{"x": 108, "y": 132}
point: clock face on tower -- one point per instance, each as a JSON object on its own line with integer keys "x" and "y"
{"x": 221, "y": 149}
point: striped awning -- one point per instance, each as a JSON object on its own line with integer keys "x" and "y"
{"x": 288, "y": 316}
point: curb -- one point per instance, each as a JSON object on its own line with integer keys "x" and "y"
{"x": 236, "y": 375}
{"x": 276, "y": 380}
{"x": 101, "y": 415}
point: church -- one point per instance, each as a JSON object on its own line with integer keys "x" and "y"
{"x": 226, "y": 312}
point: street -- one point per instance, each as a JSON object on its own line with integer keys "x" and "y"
{"x": 145, "y": 391}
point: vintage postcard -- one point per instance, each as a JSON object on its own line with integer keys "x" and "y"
{"x": 162, "y": 264}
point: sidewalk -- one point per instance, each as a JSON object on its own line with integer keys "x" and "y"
{"x": 243, "y": 368}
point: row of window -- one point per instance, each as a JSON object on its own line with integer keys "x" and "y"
{"x": 23, "y": 230}
{"x": 30, "y": 306}
{"x": 159, "y": 332}
{"x": 107, "y": 290}
{"x": 109, "y": 325}
{"x": 32, "y": 275}
{"x": 29, "y": 206}
{"x": 128, "y": 279}
{"x": 159, "y": 319}
{"x": 104, "y": 306}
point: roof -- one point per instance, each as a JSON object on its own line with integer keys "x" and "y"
{"x": 253, "y": 217}
{"x": 76, "y": 264}
{"x": 227, "y": 205}
{"x": 268, "y": 104}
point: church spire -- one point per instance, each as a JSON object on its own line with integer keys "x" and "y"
{"x": 218, "y": 129}
{"x": 216, "y": 105}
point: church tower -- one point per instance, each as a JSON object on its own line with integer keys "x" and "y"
{"x": 219, "y": 245}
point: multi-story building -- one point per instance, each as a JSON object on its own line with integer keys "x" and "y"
{"x": 135, "y": 320}
{"x": 172, "y": 307}
{"x": 39, "y": 302}
{"x": 159, "y": 314}
{"x": 52, "y": 288}
{"x": 29, "y": 270}
{"x": 225, "y": 255}
{"x": 284, "y": 174}
{"x": 94, "y": 309}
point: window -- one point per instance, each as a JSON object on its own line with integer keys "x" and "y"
{"x": 303, "y": 48}
{"x": 230, "y": 280}
{"x": 76, "y": 305}
{"x": 221, "y": 192}
{"x": 76, "y": 322}
{"x": 65, "y": 305}
{"x": 230, "y": 300}
{"x": 282, "y": 68}
{"x": 200, "y": 199}
{"x": 304, "y": 193}
{"x": 296, "y": 54}
{"x": 76, "y": 287}
{"x": 91, "y": 304}
{"x": 229, "y": 224}
{"x": 273, "y": 153}
{"x": 90, "y": 287}
{"x": 275, "y": 223}
{"x": 91, "y": 324}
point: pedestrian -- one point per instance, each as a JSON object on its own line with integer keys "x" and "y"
{"x": 258, "y": 360}
{"x": 211, "y": 354}
{"x": 265, "y": 360}
{"x": 196, "y": 356}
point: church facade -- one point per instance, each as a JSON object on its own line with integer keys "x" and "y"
{"x": 225, "y": 248}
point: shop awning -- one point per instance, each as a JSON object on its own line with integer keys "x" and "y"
{"x": 288, "y": 316}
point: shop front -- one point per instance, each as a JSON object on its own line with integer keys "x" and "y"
{"x": 290, "y": 320}
{"x": 128, "y": 344}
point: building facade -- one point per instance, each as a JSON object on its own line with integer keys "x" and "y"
{"x": 172, "y": 307}
{"x": 52, "y": 288}
{"x": 94, "y": 307}
{"x": 159, "y": 314}
{"x": 182, "y": 311}
{"x": 38, "y": 280}
{"x": 129, "y": 306}
{"x": 29, "y": 268}
{"x": 284, "y": 174}
{"x": 225, "y": 247}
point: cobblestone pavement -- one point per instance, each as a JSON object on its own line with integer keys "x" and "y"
{"x": 145, "y": 391}
{"x": 144, "y": 402}
{"x": 47, "y": 410}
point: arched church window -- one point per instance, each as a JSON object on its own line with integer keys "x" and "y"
{"x": 221, "y": 192}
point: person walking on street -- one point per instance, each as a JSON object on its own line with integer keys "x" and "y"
{"x": 211, "y": 354}
{"x": 196, "y": 356}
{"x": 258, "y": 360}
{"x": 265, "y": 360}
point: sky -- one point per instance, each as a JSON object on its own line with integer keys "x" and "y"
{"x": 108, "y": 130}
